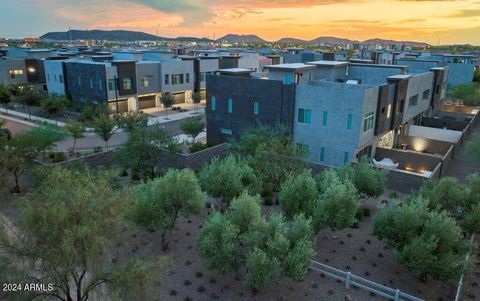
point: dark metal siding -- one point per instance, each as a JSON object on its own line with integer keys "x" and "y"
{"x": 80, "y": 91}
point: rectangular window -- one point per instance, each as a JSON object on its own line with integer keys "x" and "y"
{"x": 288, "y": 78}
{"x": 413, "y": 101}
{"x": 166, "y": 79}
{"x": 91, "y": 83}
{"x": 214, "y": 103}
{"x": 368, "y": 121}
{"x": 203, "y": 76}
{"x": 79, "y": 81}
{"x": 325, "y": 118}
{"x": 60, "y": 77}
{"x": 16, "y": 73}
{"x": 55, "y": 78}
{"x": 305, "y": 116}
{"x": 349, "y": 121}
{"x": 177, "y": 79}
{"x": 226, "y": 131}
{"x": 389, "y": 110}
{"x": 127, "y": 83}
{"x": 111, "y": 84}
{"x": 255, "y": 108}
{"x": 100, "y": 86}
{"x": 426, "y": 94}
{"x": 144, "y": 81}
{"x": 187, "y": 77}
{"x": 346, "y": 156}
{"x": 322, "y": 154}
{"x": 230, "y": 105}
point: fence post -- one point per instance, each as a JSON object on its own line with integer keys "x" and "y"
{"x": 397, "y": 295}
{"x": 347, "y": 280}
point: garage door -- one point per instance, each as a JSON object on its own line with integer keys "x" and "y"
{"x": 178, "y": 97}
{"x": 122, "y": 106}
{"x": 146, "y": 102}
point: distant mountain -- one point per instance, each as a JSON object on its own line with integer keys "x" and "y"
{"x": 291, "y": 41}
{"x": 193, "y": 39}
{"x": 386, "y": 41}
{"x": 239, "y": 38}
{"x": 111, "y": 35}
{"x": 331, "y": 40}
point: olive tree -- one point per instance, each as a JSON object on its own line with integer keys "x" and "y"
{"x": 192, "y": 127}
{"x": 131, "y": 121}
{"x": 228, "y": 178}
{"x": 103, "y": 126}
{"x": 428, "y": 243}
{"x": 367, "y": 179}
{"x": 67, "y": 235}
{"x": 298, "y": 194}
{"x": 76, "y": 130}
{"x": 242, "y": 240}
{"x": 167, "y": 101}
{"x": 159, "y": 202}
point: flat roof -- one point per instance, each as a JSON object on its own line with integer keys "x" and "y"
{"x": 379, "y": 65}
{"x": 235, "y": 70}
{"x": 457, "y": 55}
{"x": 399, "y": 76}
{"x": 291, "y": 67}
{"x": 438, "y": 68}
{"x": 328, "y": 63}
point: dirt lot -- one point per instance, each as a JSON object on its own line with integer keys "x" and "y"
{"x": 354, "y": 250}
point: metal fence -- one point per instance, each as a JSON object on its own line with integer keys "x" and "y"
{"x": 352, "y": 280}
{"x": 460, "y": 282}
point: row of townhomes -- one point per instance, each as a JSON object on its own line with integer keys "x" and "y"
{"x": 338, "y": 111}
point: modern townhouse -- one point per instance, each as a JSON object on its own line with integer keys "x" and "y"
{"x": 23, "y": 67}
{"x": 338, "y": 111}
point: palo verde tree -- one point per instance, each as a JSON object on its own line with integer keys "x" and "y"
{"x": 76, "y": 129}
{"x": 242, "y": 239}
{"x": 5, "y": 97}
{"x": 228, "y": 178}
{"x": 428, "y": 243}
{"x": 159, "y": 202}
{"x": 16, "y": 155}
{"x": 468, "y": 93}
{"x": 144, "y": 151}
{"x": 53, "y": 105}
{"x": 131, "y": 121}
{"x": 103, "y": 126}
{"x": 67, "y": 236}
{"x": 44, "y": 138}
{"x": 192, "y": 127}
{"x": 29, "y": 97}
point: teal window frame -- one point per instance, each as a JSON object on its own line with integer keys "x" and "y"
{"x": 346, "y": 157}
{"x": 349, "y": 121}
{"x": 214, "y": 103}
{"x": 288, "y": 78}
{"x": 304, "y": 116}
{"x": 230, "y": 105}
{"x": 322, "y": 154}
{"x": 226, "y": 131}
{"x": 325, "y": 118}
{"x": 255, "y": 108}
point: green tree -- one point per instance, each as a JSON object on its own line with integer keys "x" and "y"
{"x": 271, "y": 153}
{"x": 44, "y": 138}
{"x": 445, "y": 194}
{"x": 76, "y": 130}
{"x": 472, "y": 220}
{"x": 103, "y": 126}
{"x": 228, "y": 178}
{"x": 428, "y": 243}
{"x": 67, "y": 235}
{"x": 5, "y": 97}
{"x": 469, "y": 93}
{"x": 473, "y": 149}
{"x": 132, "y": 121}
{"x": 192, "y": 127}
{"x": 242, "y": 240}
{"x": 29, "y": 97}
{"x": 476, "y": 76}
{"x": 261, "y": 269}
{"x": 196, "y": 98}
{"x": 16, "y": 155}
{"x": 159, "y": 202}
{"x": 167, "y": 101}
{"x": 144, "y": 151}
{"x": 298, "y": 195}
{"x": 366, "y": 178}
{"x": 54, "y": 104}
{"x": 338, "y": 203}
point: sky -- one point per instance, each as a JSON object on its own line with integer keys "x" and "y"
{"x": 432, "y": 21}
